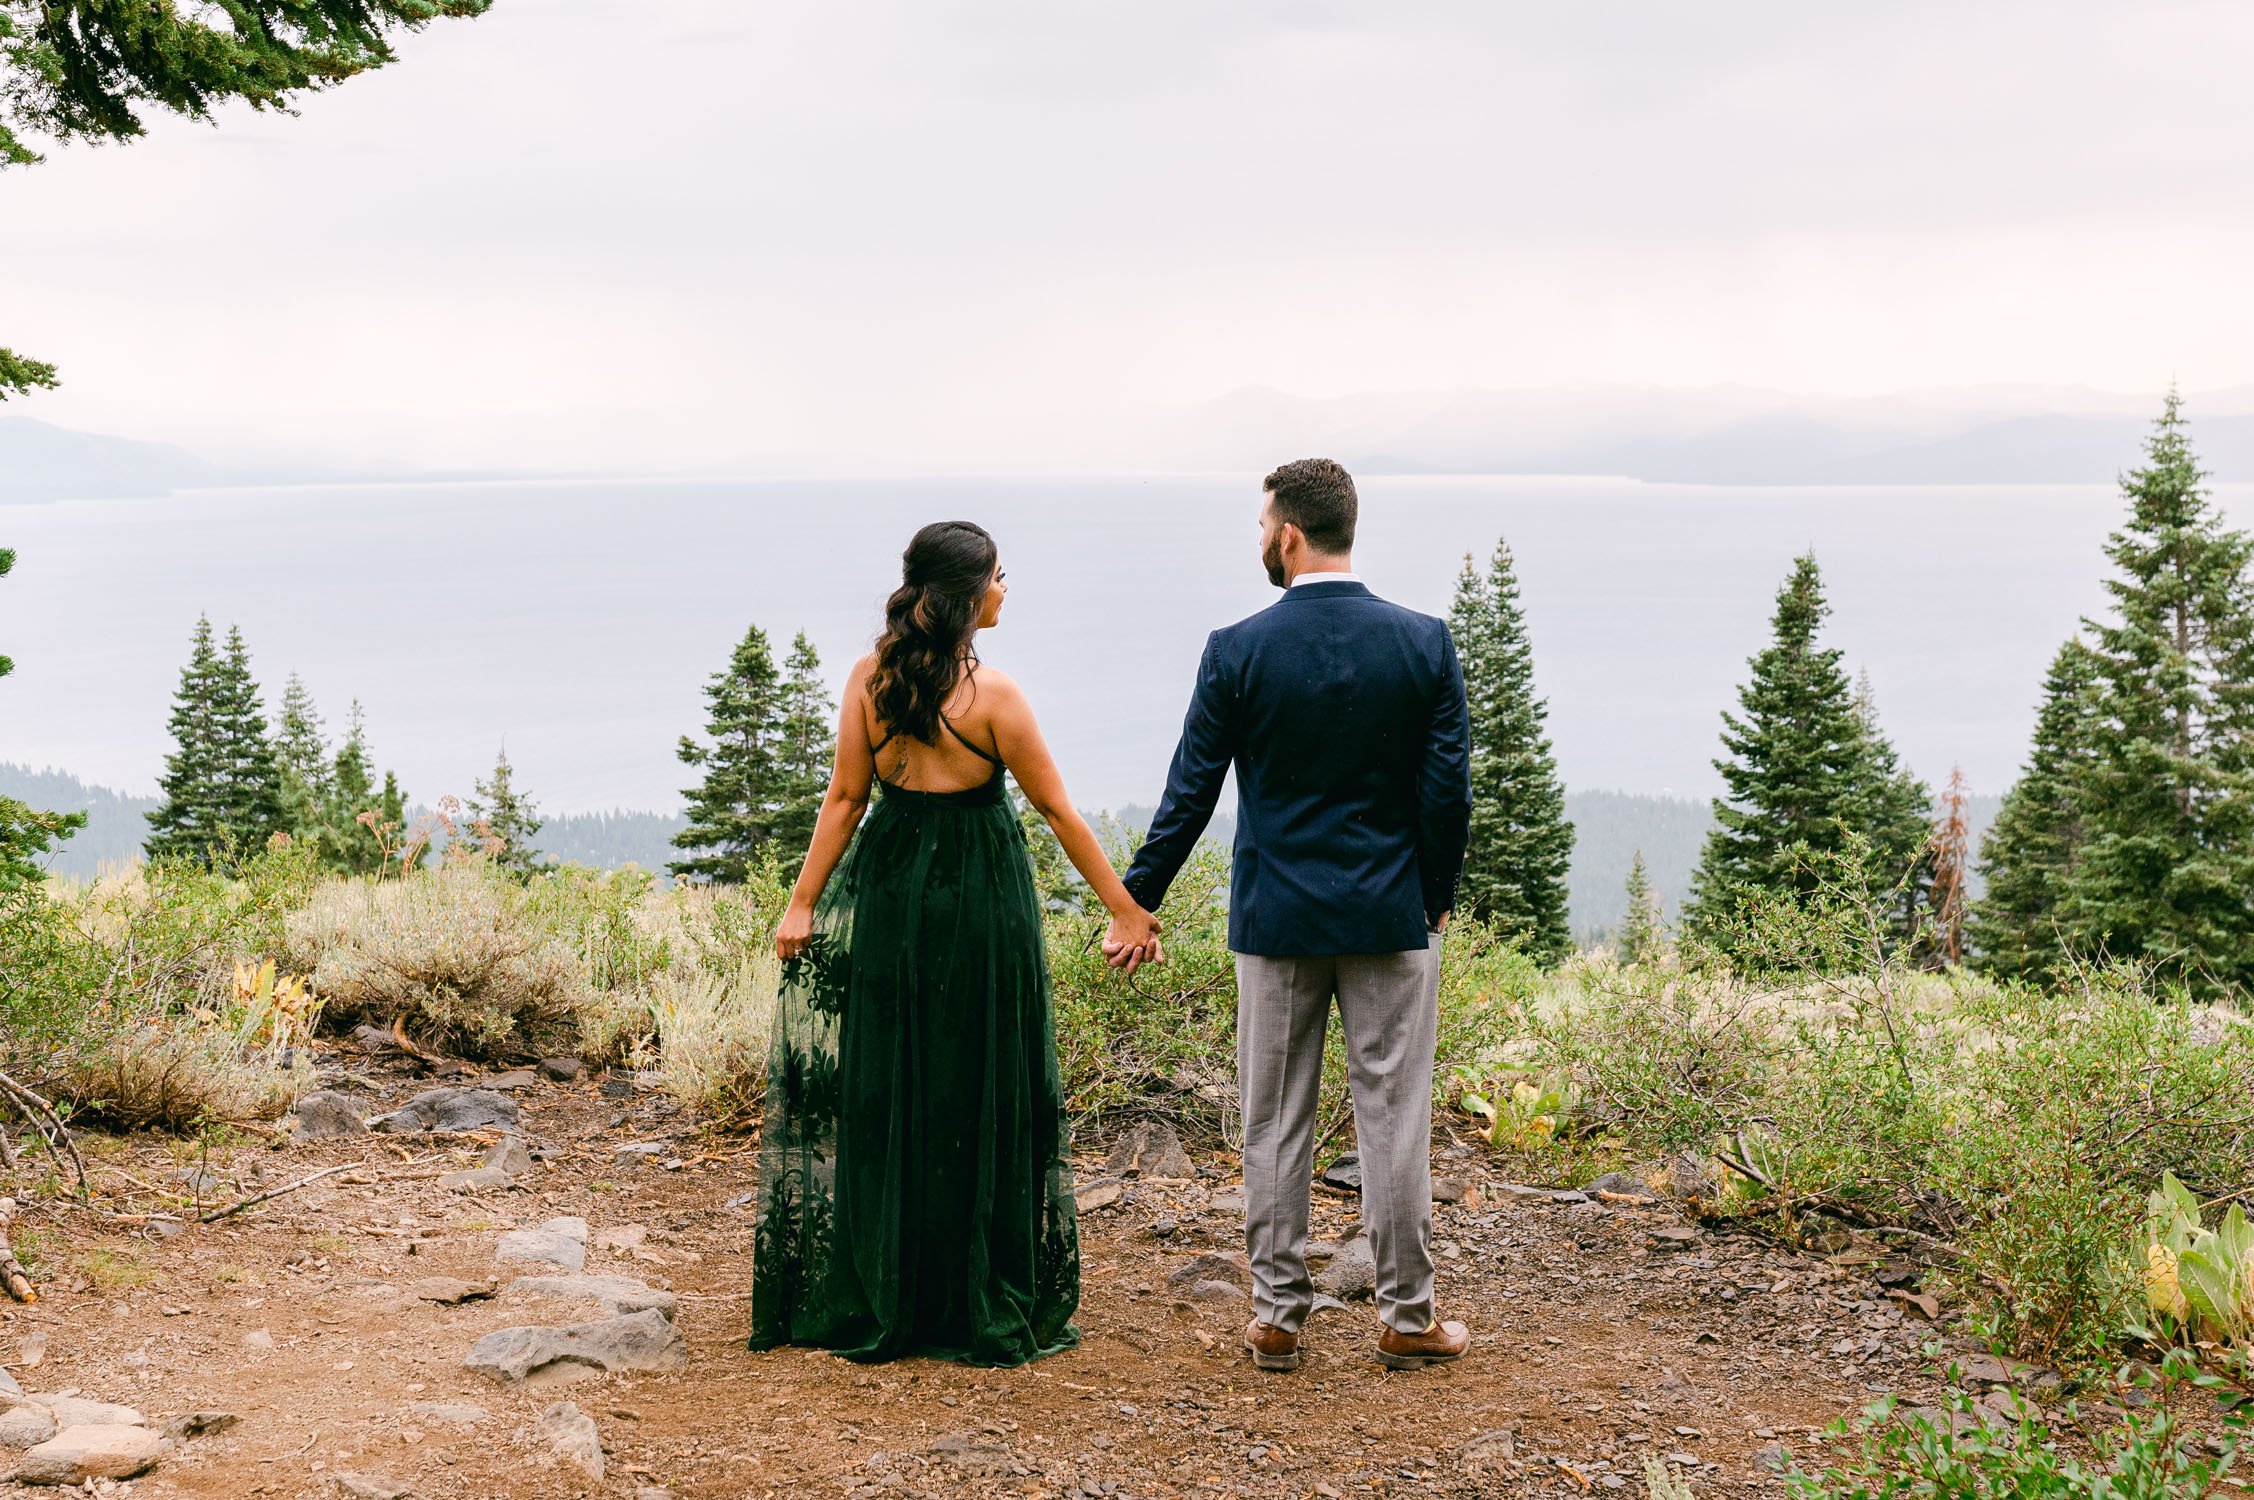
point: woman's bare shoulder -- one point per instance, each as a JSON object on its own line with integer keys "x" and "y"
{"x": 862, "y": 670}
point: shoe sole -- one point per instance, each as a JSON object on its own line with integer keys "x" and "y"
{"x": 1277, "y": 1362}
{"x": 1416, "y": 1361}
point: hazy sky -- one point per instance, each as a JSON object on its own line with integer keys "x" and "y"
{"x": 652, "y": 234}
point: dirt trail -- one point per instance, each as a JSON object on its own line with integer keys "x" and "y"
{"x": 1597, "y": 1342}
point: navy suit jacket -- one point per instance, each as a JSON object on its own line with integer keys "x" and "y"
{"x": 1344, "y": 718}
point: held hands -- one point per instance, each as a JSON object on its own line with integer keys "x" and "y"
{"x": 1132, "y": 940}
{"x": 795, "y": 933}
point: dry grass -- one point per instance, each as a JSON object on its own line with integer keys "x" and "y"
{"x": 452, "y": 952}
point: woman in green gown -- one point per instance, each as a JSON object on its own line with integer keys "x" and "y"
{"x": 915, "y": 1188}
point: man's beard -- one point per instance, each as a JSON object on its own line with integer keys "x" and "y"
{"x": 1272, "y": 556}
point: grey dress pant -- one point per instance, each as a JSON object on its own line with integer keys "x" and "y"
{"x": 1389, "y": 1004}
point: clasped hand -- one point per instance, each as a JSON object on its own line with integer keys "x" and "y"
{"x": 1132, "y": 940}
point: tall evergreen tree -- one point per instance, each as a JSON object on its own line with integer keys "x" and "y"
{"x": 222, "y": 788}
{"x": 2016, "y": 930}
{"x": 1515, "y": 866}
{"x": 1639, "y": 929}
{"x": 26, "y": 834}
{"x": 508, "y": 815}
{"x": 735, "y": 811}
{"x": 1893, "y": 810}
{"x": 348, "y": 845}
{"x": 807, "y": 734}
{"x": 1806, "y": 769}
{"x": 301, "y": 752}
{"x": 2167, "y": 857}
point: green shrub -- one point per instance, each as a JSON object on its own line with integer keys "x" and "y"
{"x": 1963, "y": 1451}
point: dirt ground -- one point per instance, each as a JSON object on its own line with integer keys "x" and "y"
{"x": 1605, "y": 1333}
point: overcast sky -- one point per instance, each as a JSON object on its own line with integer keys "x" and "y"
{"x": 658, "y": 234}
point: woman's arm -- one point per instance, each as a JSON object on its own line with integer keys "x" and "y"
{"x": 1018, "y": 737}
{"x": 851, "y": 778}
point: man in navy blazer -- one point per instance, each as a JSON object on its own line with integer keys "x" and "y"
{"x": 1343, "y": 717}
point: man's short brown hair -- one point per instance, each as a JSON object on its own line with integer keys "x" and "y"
{"x": 1317, "y": 496}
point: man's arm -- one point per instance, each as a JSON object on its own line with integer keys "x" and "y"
{"x": 1444, "y": 792}
{"x": 1193, "y": 783}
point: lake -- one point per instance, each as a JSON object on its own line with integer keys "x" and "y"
{"x": 580, "y": 619}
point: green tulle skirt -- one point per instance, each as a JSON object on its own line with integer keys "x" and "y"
{"x": 915, "y": 1186}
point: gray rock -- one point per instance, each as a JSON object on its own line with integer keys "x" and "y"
{"x": 653, "y": 1492}
{"x": 617, "y": 1295}
{"x": 1150, "y": 1148}
{"x": 325, "y": 1116}
{"x": 476, "y": 1180}
{"x": 1689, "y": 1179}
{"x": 1490, "y": 1449}
{"x": 509, "y": 1154}
{"x": 537, "y": 1356}
{"x": 77, "y": 1411}
{"x": 372, "y": 1486}
{"x": 196, "y": 1424}
{"x": 1352, "y": 1273}
{"x": 514, "y": 1079}
{"x": 374, "y": 1038}
{"x": 26, "y": 1426}
{"x": 9, "y": 1390}
{"x": 1621, "y": 1185}
{"x": 1774, "y": 1458}
{"x": 1344, "y": 1174}
{"x": 453, "y": 1111}
{"x": 450, "y": 1291}
{"x": 460, "y": 1415}
{"x": 1232, "y": 1268}
{"x": 1099, "y": 1194}
{"x": 562, "y": 1069}
{"x": 1213, "y": 1291}
{"x": 571, "y": 1433}
{"x": 94, "y": 1451}
{"x": 559, "y": 1242}
{"x": 1228, "y": 1201}
{"x": 1450, "y": 1189}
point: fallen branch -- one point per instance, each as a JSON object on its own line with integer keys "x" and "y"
{"x": 14, "y": 1279}
{"x": 288, "y": 1187}
{"x": 48, "y": 1126}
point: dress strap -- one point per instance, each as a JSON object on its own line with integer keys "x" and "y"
{"x": 991, "y": 759}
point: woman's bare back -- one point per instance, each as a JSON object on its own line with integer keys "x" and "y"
{"x": 962, "y": 760}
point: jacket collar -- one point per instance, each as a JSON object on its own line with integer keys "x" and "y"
{"x": 1329, "y": 590}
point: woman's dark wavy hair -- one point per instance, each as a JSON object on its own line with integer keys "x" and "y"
{"x": 928, "y": 624}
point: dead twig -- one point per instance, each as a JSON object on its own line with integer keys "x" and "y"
{"x": 288, "y": 1187}
{"x": 14, "y": 1279}
{"x": 53, "y": 1135}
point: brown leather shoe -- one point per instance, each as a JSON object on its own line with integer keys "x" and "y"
{"x": 1440, "y": 1344}
{"x": 1272, "y": 1348}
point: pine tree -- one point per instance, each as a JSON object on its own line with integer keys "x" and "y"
{"x": 2016, "y": 930}
{"x": 26, "y": 834}
{"x": 1893, "y": 811}
{"x": 301, "y": 752}
{"x": 508, "y": 815}
{"x": 734, "y": 812}
{"x": 1515, "y": 867}
{"x": 222, "y": 788}
{"x": 348, "y": 845}
{"x": 808, "y": 740}
{"x": 1807, "y": 768}
{"x": 2167, "y": 856}
{"x": 1639, "y": 929}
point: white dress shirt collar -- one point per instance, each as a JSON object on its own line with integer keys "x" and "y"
{"x": 1326, "y": 578}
